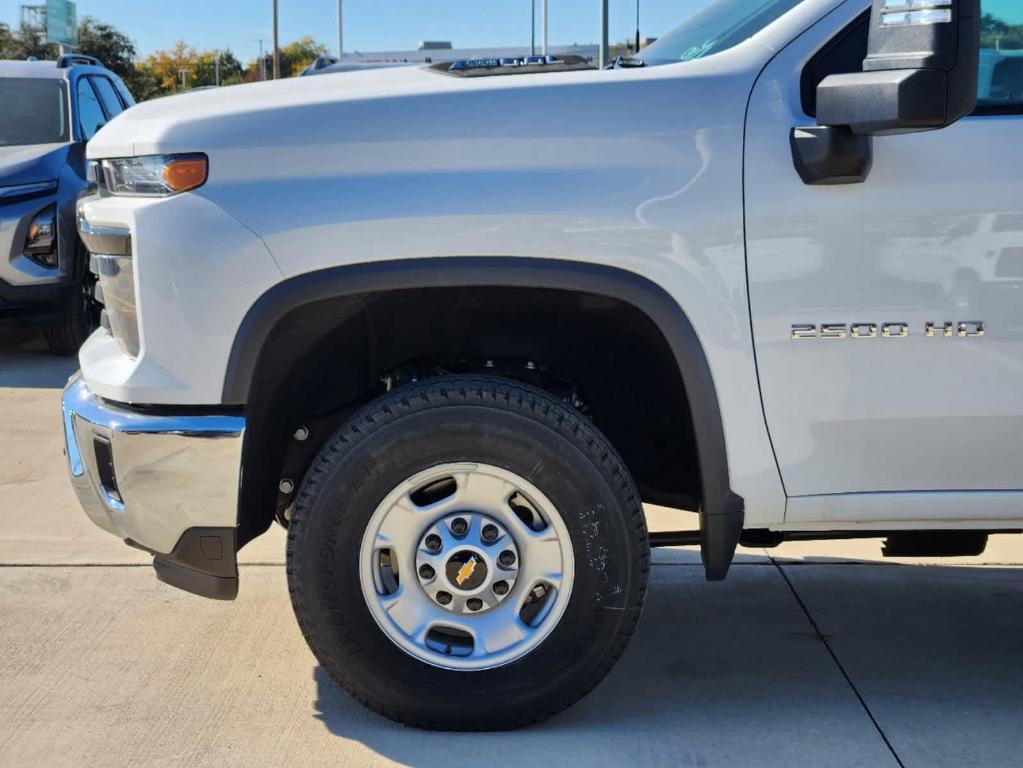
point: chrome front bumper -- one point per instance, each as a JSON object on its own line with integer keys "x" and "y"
{"x": 164, "y": 483}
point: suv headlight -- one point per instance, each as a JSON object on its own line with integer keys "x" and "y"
{"x": 155, "y": 175}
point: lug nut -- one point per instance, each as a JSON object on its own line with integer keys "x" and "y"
{"x": 490, "y": 532}
{"x": 426, "y": 572}
{"x": 443, "y": 598}
{"x": 501, "y": 588}
{"x": 433, "y": 542}
{"x": 473, "y": 603}
{"x": 506, "y": 558}
{"x": 459, "y": 526}
{"x": 286, "y": 486}
{"x": 302, "y": 434}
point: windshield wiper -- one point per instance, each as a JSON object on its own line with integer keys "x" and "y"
{"x": 625, "y": 62}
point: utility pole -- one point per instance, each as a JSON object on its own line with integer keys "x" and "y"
{"x": 341, "y": 30}
{"x": 262, "y": 61}
{"x": 637, "y": 27}
{"x": 277, "y": 48}
{"x": 602, "y": 58}
{"x": 216, "y": 69}
{"x": 543, "y": 26}
{"x": 184, "y": 74}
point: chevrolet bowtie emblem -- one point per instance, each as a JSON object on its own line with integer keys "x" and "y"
{"x": 466, "y": 571}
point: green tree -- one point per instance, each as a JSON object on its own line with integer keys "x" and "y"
{"x": 997, "y": 34}
{"x": 143, "y": 83}
{"x": 7, "y": 42}
{"x": 300, "y": 54}
{"x": 166, "y": 67}
{"x": 206, "y": 69}
{"x": 27, "y": 43}
{"x": 251, "y": 73}
{"x": 106, "y": 43}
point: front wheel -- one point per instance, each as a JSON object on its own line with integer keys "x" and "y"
{"x": 467, "y": 554}
{"x": 79, "y": 312}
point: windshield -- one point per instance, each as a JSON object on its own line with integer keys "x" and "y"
{"x": 723, "y": 25}
{"x": 32, "y": 111}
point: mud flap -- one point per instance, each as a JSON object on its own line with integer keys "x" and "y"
{"x": 719, "y": 536}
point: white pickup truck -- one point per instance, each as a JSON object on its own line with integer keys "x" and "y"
{"x": 453, "y": 325}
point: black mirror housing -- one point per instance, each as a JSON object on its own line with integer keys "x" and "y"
{"x": 920, "y": 72}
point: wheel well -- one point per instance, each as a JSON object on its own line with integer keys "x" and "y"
{"x": 324, "y": 359}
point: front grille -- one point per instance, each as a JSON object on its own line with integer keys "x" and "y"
{"x": 112, "y": 262}
{"x": 115, "y": 291}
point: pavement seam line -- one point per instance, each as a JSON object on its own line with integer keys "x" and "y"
{"x": 122, "y": 565}
{"x": 770, "y": 563}
{"x": 823, "y": 639}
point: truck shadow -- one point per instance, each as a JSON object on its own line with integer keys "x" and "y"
{"x": 25, "y": 362}
{"x": 736, "y": 674}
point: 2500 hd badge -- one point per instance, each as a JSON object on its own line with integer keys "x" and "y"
{"x": 966, "y": 329}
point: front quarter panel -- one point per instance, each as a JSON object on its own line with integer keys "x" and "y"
{"x": 637, "y": 169}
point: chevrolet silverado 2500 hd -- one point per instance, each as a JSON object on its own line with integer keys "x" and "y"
{"x": 452, "y": 325}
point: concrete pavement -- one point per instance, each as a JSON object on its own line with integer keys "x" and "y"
{"x": 815, "y": 654}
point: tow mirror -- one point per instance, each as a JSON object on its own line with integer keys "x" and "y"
{"x": 920, "y": 74}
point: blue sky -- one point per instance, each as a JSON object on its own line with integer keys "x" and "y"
{"x": 384, "y": 24}
{"x": 369, "y": 24}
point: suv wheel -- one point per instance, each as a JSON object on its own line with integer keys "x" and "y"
{"x": 79, "y": 312}
{"x": 467, "y": 554}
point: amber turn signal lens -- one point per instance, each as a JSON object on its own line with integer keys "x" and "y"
{"x": 185, "y": 173}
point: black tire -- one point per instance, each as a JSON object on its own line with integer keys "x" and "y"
{"x": 486, "y": 420}
{"x": 79, "y": 313}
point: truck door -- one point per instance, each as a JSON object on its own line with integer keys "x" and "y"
{"x": 888, "y": 315}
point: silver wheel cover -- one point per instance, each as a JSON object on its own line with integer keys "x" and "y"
{"x": 463, "y": 582}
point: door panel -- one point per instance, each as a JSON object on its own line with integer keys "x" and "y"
{"x": 935, "y": 235}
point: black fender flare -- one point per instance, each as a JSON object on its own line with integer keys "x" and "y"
{"x": 721, "y": 513}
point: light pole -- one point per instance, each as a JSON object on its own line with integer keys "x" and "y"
{"x": 543, "y": 27}
{"x": 277, "y": 49}
{"x": 532, "y": 34}
{"x": 602, "y": 58}
{"x": 637, "y": 27}
{"x": 341, "y": 30}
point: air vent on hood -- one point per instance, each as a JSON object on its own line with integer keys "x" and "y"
{"x": 521, "y": 65}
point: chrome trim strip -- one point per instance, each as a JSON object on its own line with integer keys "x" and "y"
{"x": 903, "y": 6}
{"x": 113, "y": 241}
{"x": 74, "y": 456}
{"x": 118, "y": 419}
{"x": 26, "y": 190}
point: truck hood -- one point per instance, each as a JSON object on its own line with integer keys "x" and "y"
{"x": 31, "y": 163}
{"x": 240, "y": 115}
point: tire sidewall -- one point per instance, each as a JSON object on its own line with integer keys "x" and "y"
{"x": 78, "y": 311}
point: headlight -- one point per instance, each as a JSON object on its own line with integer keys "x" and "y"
{"x": 41, "y": 240}
{"x": 155, "y": 175}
